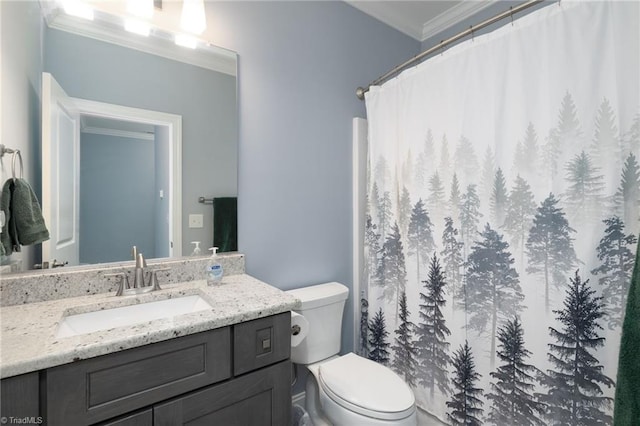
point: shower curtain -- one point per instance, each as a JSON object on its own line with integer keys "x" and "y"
{"x": 503, "y": 200}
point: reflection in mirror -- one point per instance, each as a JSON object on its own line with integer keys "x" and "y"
{"x": 98, "y": 61}
{"x": 116, "y": 173}
{"x": 133, "y": 202}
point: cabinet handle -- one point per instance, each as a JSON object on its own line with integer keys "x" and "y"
{"x": 266, "y": 344}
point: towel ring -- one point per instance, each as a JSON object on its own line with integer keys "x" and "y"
{"x": 16, "y": 154}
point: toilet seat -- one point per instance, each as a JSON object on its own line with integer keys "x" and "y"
{"x": 366, "y": 387}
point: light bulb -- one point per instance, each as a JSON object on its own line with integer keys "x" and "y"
{"x": 78, "y": 8}
{"x": 193, "y": 16}
{"x": 137, "y": 26}
{"x": 140, "y": 8}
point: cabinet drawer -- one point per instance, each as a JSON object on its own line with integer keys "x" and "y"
{"x": 261, "y": 342}
{"x": 262, "y": 398}
{"x": 97, "y": 389}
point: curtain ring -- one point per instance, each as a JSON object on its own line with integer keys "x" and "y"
{"x": 16, "y": 154}
{"x": 511, "y": 14}
{"x": 473, "y": 36}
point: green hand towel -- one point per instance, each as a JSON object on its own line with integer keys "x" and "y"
{"x": 225, "y": 224}
{"x": 5, "y": 200}
{"x": 627, "y": 401}
{"x": 26, "y": 212}
{"x": 8, "y": 238}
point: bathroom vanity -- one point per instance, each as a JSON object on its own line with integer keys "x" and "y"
{"x": 226, "y": 365}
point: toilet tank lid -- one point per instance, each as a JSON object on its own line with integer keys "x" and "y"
{"x": 320, "y": 295}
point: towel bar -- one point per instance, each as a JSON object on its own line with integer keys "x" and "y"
{"x": 4, "y": 150}
{"x": 16, "y": 155}
{"x": 205, "y": 200}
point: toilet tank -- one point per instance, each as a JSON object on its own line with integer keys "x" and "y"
{"x": 322, "y": 306}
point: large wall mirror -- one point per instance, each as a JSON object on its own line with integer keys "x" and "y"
{"x": 125, "y": 171}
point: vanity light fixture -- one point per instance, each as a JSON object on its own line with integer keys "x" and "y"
{"x": 193, "y": 17}
{"x": 78, "y": 8}
{"x": 137, "y": 26}
{"x": 142, "y": 10}
{"x": 186, "y": 40}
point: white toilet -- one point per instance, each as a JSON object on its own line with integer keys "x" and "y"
{"x": 346, "y": 390}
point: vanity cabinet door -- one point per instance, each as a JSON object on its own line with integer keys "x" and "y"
{"x": 261, "y": 342}
{"x": 19, "y": 397}
{"x": 97, "y": 389}
{"x": 262, "y": 398}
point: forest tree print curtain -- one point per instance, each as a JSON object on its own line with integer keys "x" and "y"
{"x": 503, "y": 208}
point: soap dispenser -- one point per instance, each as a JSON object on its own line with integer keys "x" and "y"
{"x": 214, "y": 270}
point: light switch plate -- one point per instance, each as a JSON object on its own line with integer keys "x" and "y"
{"x": 196, "y": 221}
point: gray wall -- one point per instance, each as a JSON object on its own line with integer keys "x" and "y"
{"x": 20, "y": 86}
{"x": 300, "y": 63}
{"x": 99, "y": 71}
{"x": 117, "y": 205}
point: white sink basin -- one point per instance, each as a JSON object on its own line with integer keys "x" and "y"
{"x": 74, "y": 325}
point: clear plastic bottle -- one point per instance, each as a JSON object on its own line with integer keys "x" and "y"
{"x": 214, "y": 270}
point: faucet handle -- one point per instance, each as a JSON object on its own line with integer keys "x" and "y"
{"x": 135, "y": 253}
{"x": 123, "y": 282}
{"x": 153, "y": 279}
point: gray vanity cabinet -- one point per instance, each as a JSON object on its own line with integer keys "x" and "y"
{"x": 142, "y": 418}
{"x": 236, "y": 375}
{"x": 96, "y": 389}
{"x": 19, "y": 397}
{"x": 262, "y": 398}
{"x": 260, "y": 392}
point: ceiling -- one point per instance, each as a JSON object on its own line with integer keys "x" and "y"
{"x": 421, "y": 19}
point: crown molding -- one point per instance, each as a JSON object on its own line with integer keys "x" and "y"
{"x": 452, "y": 16}
{"x": 387, "y": 12}
{"x": 160, "y": 43}
{"x": 398, "y": 16}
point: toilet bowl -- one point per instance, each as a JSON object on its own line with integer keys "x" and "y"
{"x": 357, "y": 391}
{"x": 349, "y": 389}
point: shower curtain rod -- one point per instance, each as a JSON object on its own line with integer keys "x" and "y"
{"x": 360, "y": 91}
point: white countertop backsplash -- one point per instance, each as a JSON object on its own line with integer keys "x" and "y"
{"x": 28, "y": 326}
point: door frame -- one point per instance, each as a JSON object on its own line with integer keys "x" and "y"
{"x": 174, "y": 123}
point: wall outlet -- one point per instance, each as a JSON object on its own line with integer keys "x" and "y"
{"x": 196, "y": 221}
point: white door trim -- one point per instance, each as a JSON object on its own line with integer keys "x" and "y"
{"x": 174, "y": 123}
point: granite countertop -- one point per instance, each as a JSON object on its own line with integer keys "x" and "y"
{"x": 28, "y": 339}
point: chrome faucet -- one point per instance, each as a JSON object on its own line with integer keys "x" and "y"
{"x": 138, "y": 277}
{"x": 139, "y": 287}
